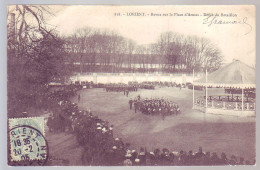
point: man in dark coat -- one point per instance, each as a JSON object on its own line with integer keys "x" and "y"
{"x": 127, "y": 92}
{"x": 142, "y": 156}
{"x": 135, "y": 105}
{"x": 50, "y": 123}
{"x": 130, "y": 103}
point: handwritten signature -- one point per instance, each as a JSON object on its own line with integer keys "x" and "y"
{"x": 214, "y": 20}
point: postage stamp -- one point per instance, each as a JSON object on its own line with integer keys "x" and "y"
{"x": 35, "y": 122}
{"x": 27, "y": 142}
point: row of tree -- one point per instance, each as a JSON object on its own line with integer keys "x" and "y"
{"x": 103, "y": 50}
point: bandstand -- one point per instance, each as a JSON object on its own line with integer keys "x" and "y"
{"x": 235, "y": 76}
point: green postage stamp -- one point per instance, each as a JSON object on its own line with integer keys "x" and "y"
{"x": 27, "y": 140}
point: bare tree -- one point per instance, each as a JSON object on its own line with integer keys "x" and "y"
{"x": 34, "y": 59}
{"x": 171, "y": 52}
{"x": 130, "y": 50}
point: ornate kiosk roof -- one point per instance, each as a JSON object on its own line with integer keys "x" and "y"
{"x": 234, "y": 75}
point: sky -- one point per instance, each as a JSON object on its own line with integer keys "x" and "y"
{"x": 236, "y": 41}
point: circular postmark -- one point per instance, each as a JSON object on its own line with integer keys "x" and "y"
{"x": 27, "y": 146}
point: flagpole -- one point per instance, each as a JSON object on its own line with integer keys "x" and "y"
{"x": 243, "y": 97}
{"x": 193, "y": 90}
{"x": 206, "y": 91}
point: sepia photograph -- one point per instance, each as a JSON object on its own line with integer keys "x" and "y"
{"x": 154, "y": 85}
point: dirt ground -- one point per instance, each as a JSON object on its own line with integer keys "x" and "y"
{"x": 187, "y": 131}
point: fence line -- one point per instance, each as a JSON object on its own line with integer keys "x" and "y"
{"x": 132, "y": 77}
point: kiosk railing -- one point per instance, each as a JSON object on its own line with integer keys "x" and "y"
{"x": 226, "y": 102}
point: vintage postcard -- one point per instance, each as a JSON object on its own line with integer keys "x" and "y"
{"x": 131, "y": 85}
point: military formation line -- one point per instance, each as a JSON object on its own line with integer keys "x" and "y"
{"x": 154, "y": 106}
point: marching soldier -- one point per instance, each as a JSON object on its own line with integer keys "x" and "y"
{"x": 135, "y": 105}
{"x": 130, "y": 103}
{"x": 157, "y": 106}
{"x": 127, "y": 92}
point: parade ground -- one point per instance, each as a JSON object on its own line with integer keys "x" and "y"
{"x": 186, "y": 131}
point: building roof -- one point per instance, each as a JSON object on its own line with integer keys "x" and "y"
{"x": 235, "y": 75}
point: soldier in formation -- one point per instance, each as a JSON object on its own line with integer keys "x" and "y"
{"x": 120, "y": 87}
{"x": 155, "y": 106}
